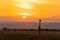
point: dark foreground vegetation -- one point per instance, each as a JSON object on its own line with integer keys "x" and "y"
{"x": 29, "y": 35}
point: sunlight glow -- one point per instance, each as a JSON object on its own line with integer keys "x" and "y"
{"x": 28, "y": 4}
{"x": 25, "y": 5}
{"x": 24, "y": 16}
{"x": 31, "y": 1}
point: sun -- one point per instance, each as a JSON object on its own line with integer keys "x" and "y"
{"x": 24, "y": 17}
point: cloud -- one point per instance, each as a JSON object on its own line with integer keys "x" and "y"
{"x": 31, "y": 1}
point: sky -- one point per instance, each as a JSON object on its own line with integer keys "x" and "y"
{"x": 31, "y": 10}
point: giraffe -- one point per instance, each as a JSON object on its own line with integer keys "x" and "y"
{"x": 39, "y": 28}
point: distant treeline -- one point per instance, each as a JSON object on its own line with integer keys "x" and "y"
{"x": 31, "y": 29}
{"x": 50, "y": 30}
{"x": 20, "y": 29}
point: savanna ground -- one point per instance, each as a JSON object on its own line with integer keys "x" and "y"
{"x": 29, "y": 35}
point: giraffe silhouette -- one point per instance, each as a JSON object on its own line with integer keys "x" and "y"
{"x": 39, "y": 28}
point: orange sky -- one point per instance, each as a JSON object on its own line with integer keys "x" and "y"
{"x": 38, "y": 9}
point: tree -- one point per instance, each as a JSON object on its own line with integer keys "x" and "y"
{"x": 5, "y": 29}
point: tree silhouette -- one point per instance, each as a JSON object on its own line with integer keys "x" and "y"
{"x": 5, "y": 29}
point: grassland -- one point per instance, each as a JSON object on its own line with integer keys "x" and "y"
{"x": 29, "y": 35}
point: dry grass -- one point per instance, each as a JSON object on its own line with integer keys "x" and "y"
{"x": 29, "y": 35}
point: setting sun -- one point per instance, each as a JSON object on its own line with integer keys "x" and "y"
{"x": 24, "y": 16}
